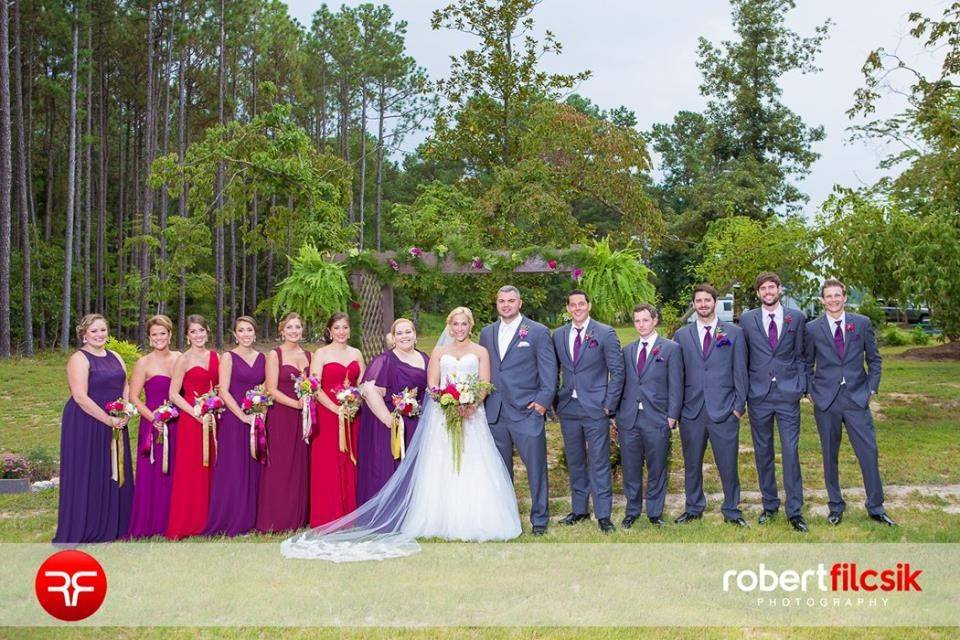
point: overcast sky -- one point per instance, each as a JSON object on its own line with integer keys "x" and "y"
{"x": 643, "y": 55}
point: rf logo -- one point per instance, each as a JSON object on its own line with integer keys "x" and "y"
{"x": 70, "y": 585}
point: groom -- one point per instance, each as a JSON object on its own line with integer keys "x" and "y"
{"x": 523, "y": 370}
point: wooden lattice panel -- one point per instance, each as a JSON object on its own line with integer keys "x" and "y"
{"x": 376, "y": 303}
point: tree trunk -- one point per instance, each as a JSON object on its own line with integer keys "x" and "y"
{"x": 88, "y": 193}
{"x": 182, "y": 200}
{"x": 363, "y": 161}
{"x": 218, "y": 251}
{"x": 102, "y": 162}
{"x": 5, "y": 170}
{"x": 379, "y": 204}
{"x": 48, "y": 205}
{"x": 147, "y": 219}
{"x": 345, "y": 134}
{"x": 71, "y": 161}
{"x": 165, "y": 147}
{"x": 23, "y": 188}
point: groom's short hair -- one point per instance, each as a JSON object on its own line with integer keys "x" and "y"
{"x": 509, "y": 288}
{"x": 578, "y": 292}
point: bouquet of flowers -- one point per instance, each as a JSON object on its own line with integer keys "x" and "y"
{"x": 305, "y": 386}
{"x": 206, "y": 408}
{"x": 255, "y": 404}
{"x": 459, "y": 392}
{"x": 405, "y": 405}
{"x": 161, "y": 416}
{"x": 348, "y": 397}
{"x": 118, "y": 408}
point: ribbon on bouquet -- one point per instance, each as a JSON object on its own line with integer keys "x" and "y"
{"x": 258, "y": 439}
{"x": 306, "y": 424}
{"x": 116, "y": 458}
{"x": 398, "y": 437}
{"x": 163, "y": 437}
{"x": 345, "y": 444}
{"x": 209, "y": 422}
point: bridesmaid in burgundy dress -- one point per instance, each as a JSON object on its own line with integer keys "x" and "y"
{"x": 93, "y": 506}
{"x": 396, "y": 369}
{"x": 151, "y": 374}
{"x": 195, "y": 373}
{"x": 333, "y": 477}
{"x": 236, "y": 478}
{"x": 282, "y": 501}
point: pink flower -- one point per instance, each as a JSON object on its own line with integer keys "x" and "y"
{"x": 477, "y": 263}
{"x": 577, "y": 273}
{"x": 524, "y": 330}
{"x": 394, "y": 265}
{"x": 416, "y": 252}
{"x": 850, "y": 327}
{"x": 788, "y": 319}
{"x": 355, "y": 304}
{"x": 552, "y": 264}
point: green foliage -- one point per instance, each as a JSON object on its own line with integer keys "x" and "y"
{"x": 872, "y": 310}
{"x": 127, "y": 351}
{"x": 42, "y": 463}
{"x": 920, "y": 337}
{"x": 669, "y": 320}
{"x": 616, "y": 281}
{"x": 893, "y": 336}
{"x": 316, "y": 288}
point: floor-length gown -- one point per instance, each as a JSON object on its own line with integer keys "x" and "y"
{"x": 190, "y": 498}
{"x": 375, "y": 461}
{"x": 333, "y": 473}
{"x": 151, "y": 494}
{"x": 282, "y": 501}
{"x": 236, "y": 477}
{"x": 93, "y": 506}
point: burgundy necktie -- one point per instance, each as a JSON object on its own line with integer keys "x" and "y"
{"x": 577, "y": 343}
{"x": 772, "y": 333}
{"x": 642, "y": 360}
{"x": 838, "y": 338}
{"x": 707, "y": 339}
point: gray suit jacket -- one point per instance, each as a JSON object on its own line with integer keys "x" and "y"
{"x": 785, "y": 364}
{"x": 826, "y": 369}
{"x": 717, "y": 381}
{"x": 526, "y": 373}
{"x": 597, "y": 376}
{"x": 659, "y": 387}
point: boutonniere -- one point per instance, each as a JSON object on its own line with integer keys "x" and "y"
{"x": 787, "y": 319}
{"x": 523, "y": 331}
{"x": 590, "y": 340}
{"x": 851, "y": 328}
{"x": 722, "y": 339}
{"x": 656, "y": 355}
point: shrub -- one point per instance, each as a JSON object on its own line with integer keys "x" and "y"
{"x": 919, "y": 336}
{"x": 891, "y": 336}
{"x": 13, "y": 466}
{"x": 669, "y": 320}
{"x": 128, "y": 351}
{"x": 43, "y": 465}
{"x": 872, "y": 310}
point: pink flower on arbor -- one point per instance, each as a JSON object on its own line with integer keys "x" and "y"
{"x": 477, "y": 263}
{"x": 552, "y": 264}
{"x": 394, "y": 265}
{"x": 577, "y": 273}
{"x": 416, "y": 252}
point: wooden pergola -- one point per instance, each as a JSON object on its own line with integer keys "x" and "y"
{"x": 376, "y": 296}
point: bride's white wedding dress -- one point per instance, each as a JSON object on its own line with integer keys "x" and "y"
{"x": 426, "y": 497}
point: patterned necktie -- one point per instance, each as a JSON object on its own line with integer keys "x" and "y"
{"x": 642, "y": 359}
{"x": 577, "y": 343}
{"x": 707, "y": 339}
{"x": 838, "y": 338}
{"x": 772, "y": 332}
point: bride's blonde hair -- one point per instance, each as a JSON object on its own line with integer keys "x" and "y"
{"x": 460, "y": 311}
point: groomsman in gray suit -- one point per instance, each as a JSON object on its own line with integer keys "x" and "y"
{"x": 592, "y": 379}
{"x": 778, "y": 380}
{"x": 838, "y": 345}
{"x": 714, "y": 398}
{"x": 523, "y": 370}
{"x": 649, "y": 409}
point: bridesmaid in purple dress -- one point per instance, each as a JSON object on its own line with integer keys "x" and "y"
{"x": 151, "y": 374}
{"x": 93, "y": 506}
{"x": 283, "y": 498}
{"x": 396, "y": 369}
{"x": 236, "y": 475}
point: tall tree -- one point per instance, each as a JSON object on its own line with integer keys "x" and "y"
{"x": 149, "y": 147}
{"x": 219, "y": 271}
{"x": 71, "y": 178}
{"x": 23, "y": 186}
{"x": 5, "y": 170}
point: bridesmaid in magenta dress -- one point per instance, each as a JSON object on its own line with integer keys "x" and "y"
{"x": 151, "y": 374}
{"x": 93, "y": 506}
{"x": 236, "y": 478}
{"x": 396, "y": 369}
{"x": 333, "y": 473}
{"x": 282, "y": 501}
{"x": 195, "y": 373}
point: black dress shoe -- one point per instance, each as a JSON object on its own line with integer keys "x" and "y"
{"x": 539, "y": 530}
{"x": 628, "y": 522}
{"x": 574, "y": 518}
{"x": 767, "y": 516}
{"x": 835, "y": 517}
{"x": 657, "y": 521}
{"x": 686, "y": 516}
{"x": 798, "y": 524}
{"x": 605, "y": 525}
{"x": 740, "y": 522}
{"x": 883, "y": 518}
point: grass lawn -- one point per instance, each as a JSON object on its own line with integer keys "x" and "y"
{"x": 917, "y": 431}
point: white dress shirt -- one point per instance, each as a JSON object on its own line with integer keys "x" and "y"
{"x": 583, "y": 342}
{"x": 843, "y": 328}
{"x": 702, "y": 329}
{"x": 777, "y": 319}
{"x": 650, "y": 340}
{"x": 506, "y": 333}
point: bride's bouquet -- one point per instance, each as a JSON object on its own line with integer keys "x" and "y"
{"x": 349, "y": 398}
{"x": 405, "y": 405}
{"x": 460, "y": 392}
{"x": 118, "y": 408}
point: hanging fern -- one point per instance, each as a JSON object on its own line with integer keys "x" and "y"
{"x": 315, "y": 288}
{"x": 616, "y": 280}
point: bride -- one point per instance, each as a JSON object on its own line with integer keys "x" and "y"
{"x": 427, "y": 496}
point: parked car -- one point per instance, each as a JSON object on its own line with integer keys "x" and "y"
{"x": 913, "y": 315}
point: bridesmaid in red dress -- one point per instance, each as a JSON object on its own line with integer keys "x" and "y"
{"x": 195, "y": 373}
{"x": 333, "y": 477}
{"x": 282, "y": 497}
